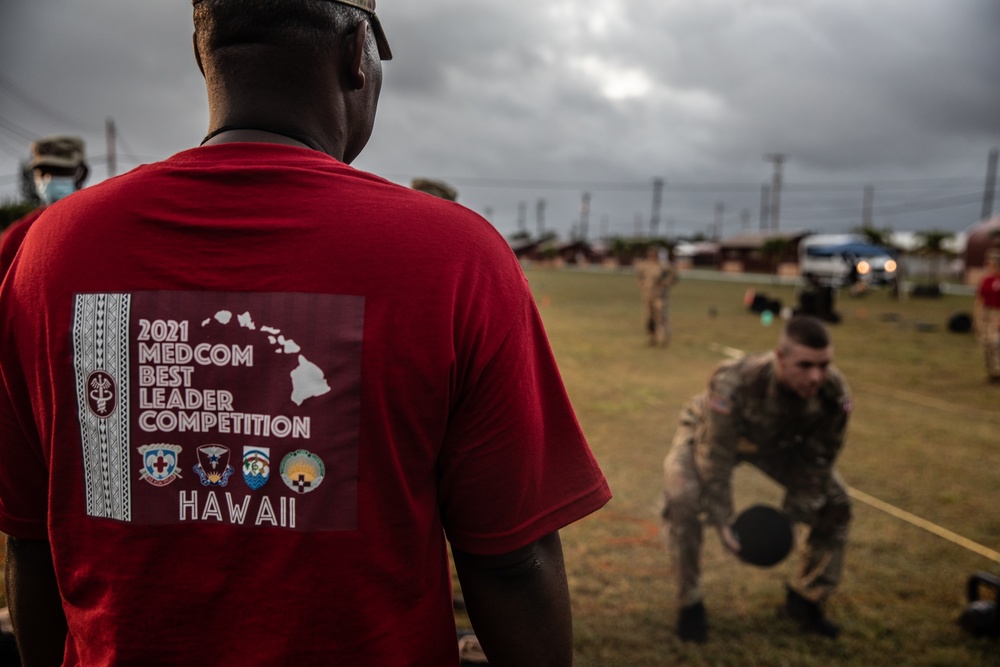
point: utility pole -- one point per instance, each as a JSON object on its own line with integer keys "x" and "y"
{"x": 584, "y": 215}
{"x": 540, "y": 217}
{"x": 866, "y": 211}
{"x": 991, "y": 183}
{"x": 110, "y": 135}
{"x": 778, "y": 159}
{"x": 765, "y": 206}
{"x": 720, "y": 209}
{"x": 654, "y": 218}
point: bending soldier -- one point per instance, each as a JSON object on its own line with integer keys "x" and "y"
{"x": 784, "y": 412}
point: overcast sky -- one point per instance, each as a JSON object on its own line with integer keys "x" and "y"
{"x": 521, "y": 101}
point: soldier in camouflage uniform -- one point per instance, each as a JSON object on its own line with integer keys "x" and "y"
{"x": 784, "y": 412}
{"x": 655, "y": 280}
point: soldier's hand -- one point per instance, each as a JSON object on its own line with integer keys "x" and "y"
{"x": 729, "y": 539}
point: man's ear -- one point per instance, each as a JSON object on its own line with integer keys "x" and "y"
{"x": 355, "y": 61}
{"x": 197, "y": 53}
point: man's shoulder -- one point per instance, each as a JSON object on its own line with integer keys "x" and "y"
{"x": 734, "y": 379}
{"x": 17, "y": 229}
{"x": 744, "y": 371}
{"x": 835, "y": 392}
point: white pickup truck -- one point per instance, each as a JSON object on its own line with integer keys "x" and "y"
{"x": 845, "y": 259}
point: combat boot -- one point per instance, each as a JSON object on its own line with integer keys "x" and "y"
{"x": 809, "y": 615}
{"x": 692, "y": 625}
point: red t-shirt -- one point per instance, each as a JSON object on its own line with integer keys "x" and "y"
{"x": 248, "y": 390}
{"x": 989, "y": 291}
{"x": 12, "y": 238}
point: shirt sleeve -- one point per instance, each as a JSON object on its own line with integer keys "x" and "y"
{"x": 717, "y": 453}
{"x": 515, "y": 465}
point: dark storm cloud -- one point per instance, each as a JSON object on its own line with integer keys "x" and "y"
{"x": 576, "y": 96}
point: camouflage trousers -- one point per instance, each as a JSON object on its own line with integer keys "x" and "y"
{"x": 989, "y": 338}
{"x": 827, "y": 518}
{"x": 655, "y": 311}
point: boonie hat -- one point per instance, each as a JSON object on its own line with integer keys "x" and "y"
{"x": 436, "y": 188}
{"x": 57, "y": 151}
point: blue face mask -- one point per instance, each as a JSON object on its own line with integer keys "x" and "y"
{"x": 53, "y": 188}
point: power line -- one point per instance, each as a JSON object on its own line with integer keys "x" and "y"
{"x": 30, "y": 101}
{"x": 20, "y": 131}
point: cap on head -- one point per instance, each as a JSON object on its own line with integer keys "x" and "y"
{"x": 57, "y": 151}
{"x": 368, "y": 6}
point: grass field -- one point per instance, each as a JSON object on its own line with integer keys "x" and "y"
{"x": 924, "y": 437}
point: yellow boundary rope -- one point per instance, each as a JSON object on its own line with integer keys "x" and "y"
{"x": 915, "y": 520}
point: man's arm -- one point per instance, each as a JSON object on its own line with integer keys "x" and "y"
{"x": 519, "y": 604}
{"x": 35, "y": 605}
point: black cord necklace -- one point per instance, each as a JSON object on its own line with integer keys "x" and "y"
{"x": 301, "y": 138}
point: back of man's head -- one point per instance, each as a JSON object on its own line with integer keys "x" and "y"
{"x": 807, "y": 331}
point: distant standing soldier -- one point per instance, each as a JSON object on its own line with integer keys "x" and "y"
{"x": 784, "y": 412}
{"x": 60, "y": 169}
{"x": 656, "y": 277}
{"x": 986, "y": 315}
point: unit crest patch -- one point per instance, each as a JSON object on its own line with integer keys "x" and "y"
{"x": 302, "y": 471}
{"x": 256, "y": 466}
{"x": 159, "y": 463}
{"x": 213, "y": 465}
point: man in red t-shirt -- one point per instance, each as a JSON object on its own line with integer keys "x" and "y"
{"x": 229, "y": 438}
{"x": 986, "y": 314}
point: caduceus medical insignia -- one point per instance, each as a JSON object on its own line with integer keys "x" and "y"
{"x": 101, "y": 394}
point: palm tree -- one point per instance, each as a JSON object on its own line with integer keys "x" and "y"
{"x": 932, "y": 246}
{"x": 876, "y": 236}
{"x": 774, "y": 249}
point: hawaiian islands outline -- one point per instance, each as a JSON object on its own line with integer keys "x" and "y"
{"x": 308, "y": 380}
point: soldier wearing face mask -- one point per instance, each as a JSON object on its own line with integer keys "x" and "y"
{"x": 60, "y": 169}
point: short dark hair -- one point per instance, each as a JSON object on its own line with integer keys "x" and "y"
{"x": 303, "y": 25}
{"x": 808, "y": 331}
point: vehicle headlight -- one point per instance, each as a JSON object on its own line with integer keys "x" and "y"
{"x": 890, "y": 266}
{"x": 864, "y": 267}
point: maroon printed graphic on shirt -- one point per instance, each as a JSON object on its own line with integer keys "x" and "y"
{"x": 243, "y": 408}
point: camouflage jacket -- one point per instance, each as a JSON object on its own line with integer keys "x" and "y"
{"x": 747, "y": 416}
{"x": 654, "y": 277}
